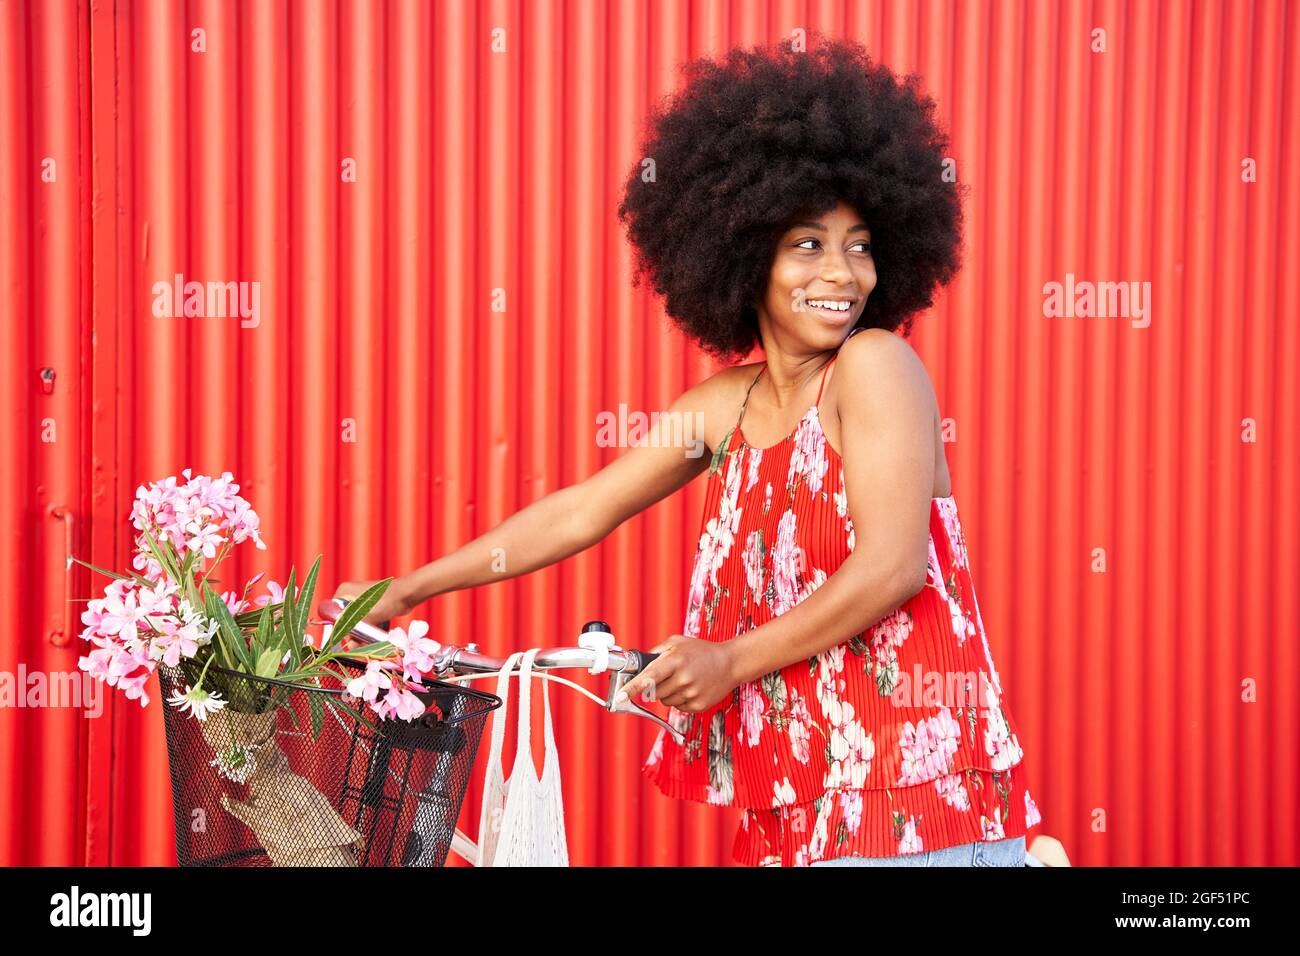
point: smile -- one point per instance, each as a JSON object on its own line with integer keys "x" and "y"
{"x": 830, "y": 305}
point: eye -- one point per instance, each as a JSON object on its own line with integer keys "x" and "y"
{"x": 864, "y": 243}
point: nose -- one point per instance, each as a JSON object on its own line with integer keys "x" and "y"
{"x": 835, "y": 268}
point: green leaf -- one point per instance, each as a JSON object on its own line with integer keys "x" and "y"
{"x": 721, "y": 452}
{"x": 290, "y": 602}
{"x": 317, "y": 715}
{"x": 234, "y": 637}
{"x": 262, "y": 636}
{"x": 111, "y": 574}
{"x": 168, "y": 564}
{"x": 268, "y": 663}
{"x": 304, "y": 605}
{"x": 370, "y": 650}
{"x": 355, "y": 611}
{"x": 342, "y": 678}
{"x": 247, "y": 618}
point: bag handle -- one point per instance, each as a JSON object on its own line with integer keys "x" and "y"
{"x": 523, "y": 748}
{"x": 500, "y": 717}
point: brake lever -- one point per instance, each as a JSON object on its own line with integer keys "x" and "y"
{"x": 629, "y": 706}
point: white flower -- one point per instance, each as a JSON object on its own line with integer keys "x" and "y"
{"x": 205, "y": 628}
{"x": 236, "y": 763}
{"x": 197, "y": 700}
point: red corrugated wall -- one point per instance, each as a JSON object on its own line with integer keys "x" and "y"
{"x": 465, "y": 307}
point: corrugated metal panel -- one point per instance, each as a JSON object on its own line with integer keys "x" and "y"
{"x": 466, "y": 304}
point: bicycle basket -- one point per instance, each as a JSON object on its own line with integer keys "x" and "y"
{"x": 286, "y": 774}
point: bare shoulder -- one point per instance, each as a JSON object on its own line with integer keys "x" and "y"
{"x": 875, "y": 364}
{"x": 717, "y": 399}
{"x": 877, "y": 374}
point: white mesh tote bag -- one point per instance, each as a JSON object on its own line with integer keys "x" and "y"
{"x": 494, "y": 783}
{"x": 531, "y": 830}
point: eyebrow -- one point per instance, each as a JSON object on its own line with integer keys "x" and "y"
{"x": 860, "y": 227}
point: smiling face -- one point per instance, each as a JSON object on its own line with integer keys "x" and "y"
{"x": 821, "y": 275}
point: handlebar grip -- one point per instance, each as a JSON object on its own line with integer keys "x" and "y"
{"x": 646, "y": 657}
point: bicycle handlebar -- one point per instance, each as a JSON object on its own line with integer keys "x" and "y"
{"x": 621, "y": 664}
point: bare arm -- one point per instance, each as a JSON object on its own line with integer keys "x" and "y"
{"x": 574, "y": 518}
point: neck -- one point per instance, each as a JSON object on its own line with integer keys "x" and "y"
{"x": 788, "y": 372}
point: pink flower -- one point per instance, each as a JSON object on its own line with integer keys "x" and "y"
{"x": 199, "y": 516}
{"x": 416, "y": 650}
{"x": 952, "y": 525}
{"x": 992, "y": 827}
{"x": 751, "y": 714}
{"x": 851, "y": 809}
{"x": 173, "y": 643}
{"x": 233, "y": 602}
{"x": 787, "y": 560}
{"x": 399, "y": 705}
{"x": 808, "y": 460}
{"x": 145, "y": 563}
{"x": 755, "y": 458}
{"x": 851, "y": 750}
{"x": 928, "y": 748}
{"x": 119, "y": 667}
{"x": 910, "y": 842}
{"x": 376, "y": 678}
{"x": 1032, "y": 816}
{"x": 203, "y": 537}
{"x": 952, "y": 791}
{"x": 120, "y": 611}
{"x": 275, "y": 597}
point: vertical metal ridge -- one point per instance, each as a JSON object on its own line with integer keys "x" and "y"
{"x": 479, "y": 170}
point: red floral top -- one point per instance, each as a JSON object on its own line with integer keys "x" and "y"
{"x": 898, "y": 740}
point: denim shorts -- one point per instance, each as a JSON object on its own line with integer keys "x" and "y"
{"x": 1009, "y": 852}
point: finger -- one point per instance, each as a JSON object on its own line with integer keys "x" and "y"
{"x": 658, "y": 670}
{"x": 669, "y": 690}
{"x": 666, "y": 683}
{"x": 663, "y": 646}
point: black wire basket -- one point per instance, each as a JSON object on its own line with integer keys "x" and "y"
{"x": 293, "y": 775}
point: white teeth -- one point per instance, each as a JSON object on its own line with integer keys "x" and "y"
{"x": 833, "y": 306}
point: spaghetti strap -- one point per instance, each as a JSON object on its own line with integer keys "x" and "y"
{"x": 745, "y": 403}
{"x": 821, "y": 387}
{"x": 818, "y": 402}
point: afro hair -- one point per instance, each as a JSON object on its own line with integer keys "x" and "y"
{"x": 771, "y": 135}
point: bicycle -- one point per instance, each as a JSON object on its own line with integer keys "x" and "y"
{"x": 596, "y": 653}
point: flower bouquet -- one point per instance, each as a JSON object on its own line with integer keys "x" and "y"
{"x": 235, "y": 666}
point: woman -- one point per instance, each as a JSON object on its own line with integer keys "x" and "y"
{"x": 833, "y": 678}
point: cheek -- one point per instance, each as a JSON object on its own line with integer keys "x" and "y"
{"x": 785, "y": 282}
{"x": 866, "y": 276}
